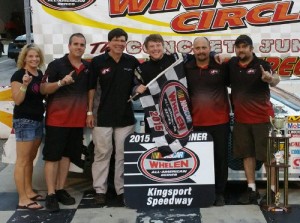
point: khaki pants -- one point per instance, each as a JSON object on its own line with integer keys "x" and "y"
{"x": 103, "y": 138}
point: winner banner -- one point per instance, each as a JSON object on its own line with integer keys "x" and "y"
{"x": 180, "y": 180}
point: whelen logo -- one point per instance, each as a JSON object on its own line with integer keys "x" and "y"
{"x": 66, "y": 5}
{"x": 177, "y": 167}
{"x": 174, "y": 109}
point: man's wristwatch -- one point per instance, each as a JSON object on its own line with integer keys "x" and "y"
{"x": 89, "y": 113}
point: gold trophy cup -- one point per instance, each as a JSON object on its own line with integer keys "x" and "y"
{"x": 278, "y": 122}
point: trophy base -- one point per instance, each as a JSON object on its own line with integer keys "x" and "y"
{"x": 277, "y": 208}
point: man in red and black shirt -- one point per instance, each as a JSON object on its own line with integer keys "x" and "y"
{"x": 207, "y": 85}
{"x": 250, "y": 78}
{"x": 66, "y": 84}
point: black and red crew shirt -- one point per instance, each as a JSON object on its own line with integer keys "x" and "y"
{"x": 68, "y": 105}
{"x": 116, "y": 80}
{"x": 250, "y": 95}
{"x": 207, "y": 88}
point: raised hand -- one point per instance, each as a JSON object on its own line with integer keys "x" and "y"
{"x": 266, "y": 76}
{"x": 68, "y": 79}
{"x": 26, "y": 79}
{"x": 218, "y": 58}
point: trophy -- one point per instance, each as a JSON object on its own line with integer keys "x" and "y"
{"x": 278, "y": 122}
{"x": 278, "y": 156}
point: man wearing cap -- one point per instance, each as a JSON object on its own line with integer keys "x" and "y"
{"x": 250, "y": 79}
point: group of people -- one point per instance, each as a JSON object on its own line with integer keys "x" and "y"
{"x": 95, "y": 94}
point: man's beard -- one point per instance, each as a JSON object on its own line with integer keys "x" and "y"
{"x": 244, "y": 58}
{"x": 202, "y": 57}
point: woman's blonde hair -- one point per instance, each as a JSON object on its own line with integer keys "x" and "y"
{"x": 24, "y": 52}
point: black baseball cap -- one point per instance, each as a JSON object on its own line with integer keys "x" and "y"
{"x": 243, "y": 39}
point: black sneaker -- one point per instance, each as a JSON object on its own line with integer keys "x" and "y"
{"x": 100, "y": 199}
{"x": 263, "y": 201}
{"x": 64, "y": 197}
{"x": 219, "y": 201}
{"x": 52, "y": 203}
{"x": 249, "y": 197}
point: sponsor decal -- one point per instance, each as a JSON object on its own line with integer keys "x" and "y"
{"x": 296, "y": 163}
{"x": 173, "y": 168}
{"x": 174, "y": 109}
{"x": 66, "y": 5}
{"x": 293, "y": 118}
{"x": 295, "y": 144}
{"x": 295, "y": 151}
{"x": 294, "y": 133}
{"x": 293, "y": 125}
{"x": 297, "y": 135}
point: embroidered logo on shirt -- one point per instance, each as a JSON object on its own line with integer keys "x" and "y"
{"x": 127, "y": 69}
{"x": 213, "y": 71}
{"x": 251, "y": 71}
{"x": 105, "y": 70}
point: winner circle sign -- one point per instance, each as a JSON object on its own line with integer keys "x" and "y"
{"x": 182, "y": 179}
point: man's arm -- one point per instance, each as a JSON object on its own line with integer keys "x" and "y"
{"x": 271, "y": 79}
{"x": 90, "y": 116}
{"x": 51, "y": 87}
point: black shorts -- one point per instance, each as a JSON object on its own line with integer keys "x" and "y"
{"x": 250, "y": 140}
{"x": 63, "y": 142}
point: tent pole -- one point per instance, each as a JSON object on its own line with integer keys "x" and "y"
{"x": 27, "y": 12}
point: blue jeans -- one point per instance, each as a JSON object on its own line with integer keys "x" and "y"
{"x": 27, "y": 130}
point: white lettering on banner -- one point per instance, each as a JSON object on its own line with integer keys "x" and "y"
{"x": 169, "y": 196}
{"x": 198, "y": 136}
{"x": 169, "y": 201}
{"x": 169, "y": 192}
